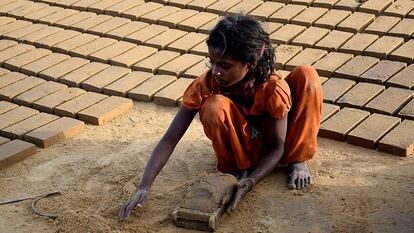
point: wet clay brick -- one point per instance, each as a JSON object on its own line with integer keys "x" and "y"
{"x": 154, "y": 16}
{"x": 13, "y": 26}
{"x": 180, "y": 64}
{"x": 15, "y": 89}
{"x": 175, "y": 18}
{"x": 360, "y": 95}
{"x": 35, "y": 16}
{"x": 403, "y": 79}
{"x": 43, "y": 63}
{"x": 284, "y": 53}
{"x": 14, "y": 51}
{"x": 245, "y": 7}
{"x": 271, "y": 27}
{"x": 356, "y": 22}
{"x": 349, "y": 5}
{"x": 4, "y": 44}
{"x": 74, "y": 19}
{"x": 15, "y": 151}
{"x": 17, "y": 130}
{"x": 91, "y": 22}
{"x": 87, "y": 49}
{"x": 286, "y": 34}
{"x": 200, "y": 49}
{"x": 399, "y": 141}
{"x": 340, "y": 124}
{"x": 145, "y": 33}
{"x": 200, "y": 5}
{"x": 283, "y": 73}
{"x": 370, "y": 131}
{"x": 265, "y": 10}
{"x": 152, "y": 63}
{"x": 147, "y": 90}
{"x": 333, "y": 40}
{"x": 400, "y": 8}
{"x": 105, "y": 110}
{"x": 170, "y": 94}
{"x": 3, "y": 140}
{"x": 328, "y": 110}
{"x": 332, "y": 18}
{"x": 221, "y": 6}
{"x": 122, "y": 6}
{"x": 125, "y": 30}
{"x": 68, "y": 45}
{"x": 3, "y": 71}
{"x": 197, "y": 69}
{"x": 407, "y": 112}
{"x": 206, "y": 28}
{"x": 107, "y": 76}
{"x": 99, "y": 7}
{"x": 77, "y": 104}
{"x": 375, "y": 6}
{"x": 48, "y": 103}
{"x": 355, "y": 67}
{"x": 310, "y": 37}
{"x": 309, "y": 16}
{"x": 383, "y": 46}
{"x": 382, "y": 25}
{"x": 185, "y": 43}
{"x": 382, "y": 71}
{"x": 111, "y": 51}
{"x": 6, "y": 20}
{"x": 358, "y": 43}
{"x": 55, "y": 132}
{"x": 193, "y": 23}
{"x": 142, "y": 9}
{"x": 6, "y": 106}
{"x": 77, "y": 76}
{"x": 56, "y": 71}
{"x": 162, "y": 40}
{"x": 26, "y": 9}
{"x": 17, "y": 34}
{"x": 404, "y": 53}
{"x": 107, "y": 26}
{"x": 327, "y": 65}
{"x": 132, "y": 56}
{"x": 57, "y": 16}
{"x": 10, "y": 78}
{"x": 307, "y": 56}
{"x": 404, "y": 29}
{"x": 33, "y": 37}
{"x": 126, "y": 83}
{"x": 390, "y": 101}
{"x": 16, "y": 115}
{"x": 334, "y": 88}
{"x": 178, "y": 3}
{"x": 287, "y": 13}
{"x": 42, "y": 90}
{"x": 301, "y": 2}
{"x": 18, "y": 61}
{"x": 83, "y": 5}
{"x": 55, "y": 38}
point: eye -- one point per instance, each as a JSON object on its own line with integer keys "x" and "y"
{"x": 225, "y": 66}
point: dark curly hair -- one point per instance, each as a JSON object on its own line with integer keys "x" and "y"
{"x": 243, "y": 38}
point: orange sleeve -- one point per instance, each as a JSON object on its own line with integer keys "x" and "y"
{"x": 192, "y": 97}
{"x": 279, "y": 100}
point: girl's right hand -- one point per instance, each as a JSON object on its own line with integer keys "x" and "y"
{"x": 137, "y": 200}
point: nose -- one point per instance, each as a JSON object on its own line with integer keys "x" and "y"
{"x": 215, "y": 71}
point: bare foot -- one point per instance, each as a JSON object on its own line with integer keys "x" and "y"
{"x": 299, "y": 176}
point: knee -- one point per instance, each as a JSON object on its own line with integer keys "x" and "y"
{"x": 213, "y": 109}
{"x": 306, "y": 73}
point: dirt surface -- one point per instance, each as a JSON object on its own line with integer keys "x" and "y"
{"x": 354, "y": 189}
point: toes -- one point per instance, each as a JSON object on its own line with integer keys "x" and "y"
{"x": 297, "y": 183}
{"x": 291, "y": 181}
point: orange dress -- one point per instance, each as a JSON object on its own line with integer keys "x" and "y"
{"x": 237, "y": 132}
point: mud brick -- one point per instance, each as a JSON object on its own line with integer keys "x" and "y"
{"x": 245, "y": 7}
{"x": 6, "y": 20}
{"x": 310, "y": 37}
{"x": 162, "y": 40}
{"x": 196, "y": 70}
{"x": 390, "y": 101}
{"x": 64, "y": 3}
{"x": 15, "y": 25}
{"x": 340, "y": 124}
{"x": 105, "y": 110}
{"x": 169, "y": 95}
{"x": 17, "y": 34}
{"x": 370, "y": 131}
{"x": 15, "y": 151}
{"x": 302, "y": 2}
{"x": 3, "y": 71}
{"x": 180, "y": 64}
{"x": 400, "y": 140}
{"x": 75, "y": 18}
{"x": 17, "y": 130}
{"x": 10, "y": 78}
{"x": 54, "y": 72}
{"x": 4, "y": 44}
{"x": 349, "y": 5}
{"x": 265, "y": 10}
{"x": 38, "y": 92}
{"x": 404, "y": 29}
{"x": 334, "y": 40}
{"x": 107, "y": 76}
{"x": 100, "y": 6}
{"x": 15, "y": 63}
{"x": 404, "y": 53}
{"x": 327, "y": 65}
{"x": 402, "y": 79}
{"x": 325, "y": 3}
{"x": 221, "y": 6}
{"x": 382, "y": 71}
{"x": 355, "y": 67}
{"x": 411, "y": 14}
{"x": 15, "y": 115}
{"x": 173, "y": 19}
{"x": 77, "y": 76}
{"x": 91, "y": 22}
{"x": 206, "y": 28}
{"x": 284, "y": 53}
{"x": 85, "y": 50}
{"x": 48, "y": 103}
{"x": 12, "y": 6}
{"x": 109, "y": 25}
{"x": 6, "y": 106}
{"x": 177, "y": 3}
{"x": 35, "y": 16}
{"x": 283, "y": 73}
{"x": 40, "y": 34}
{"x": 193, "y": 23}
{"x": 13, "y": 51}
{"x": 309, "y": 16}
{"x": 382, "y": 25}
{"x": 200, "y": 5}
{"x": 375, "y": 6}
{"x": 185, "y": 43}
{"x": 74, "y": 42}
{"x": 356, "y": 22}
{"x": 145, "y": 33}
{"x": 26, "y": 8}
{"x": 358, "y": 43}
{"x": 200, "y": 49}
{"x": 400, "y": 8}
{"x": 43, "y": 63}
{"x": 286, "y": 34}
{"x": 127, "y": 29}
{"x": 111, "y": 51}
{"x": 71, "y": 107}
{"x": 117, "y": 9}
{"x": 334, "y": 88}
{"x": 126, "y": 83}
{"x": 328, "y": 110}
{"x": 287, "y": 13}
{"x": 55, "y": 132}
{"x": 271, "y": 27}
{"x": 57, "y": 16}
{"x": 407, "y": 112}
{"x": 307, "y": 56}
{"x": 360, "y": 95}
{"x": 154, "y": 16}
{"x": 16, "y": 88}
{"x": 4, "y": 140}
{"x": 83, "y": 4}
{"x": 132, "y": 56}
{"x": 142, "y": 9}
{"x": 332, "y": 18}
{"x": 152, "y": 63}
{"x": 383, "y": 46}
{"x": 55, "y": 38}
{"x": 147, "y": 90}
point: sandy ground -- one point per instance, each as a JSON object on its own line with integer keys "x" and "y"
{"x": 354, "y": 189}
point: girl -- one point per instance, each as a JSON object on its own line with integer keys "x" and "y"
{"x": 254, "y": 118}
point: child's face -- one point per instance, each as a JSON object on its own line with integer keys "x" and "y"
{"x": 227, "y": 70}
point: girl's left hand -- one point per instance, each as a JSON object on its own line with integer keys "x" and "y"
{"x": 243, "y": 187}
